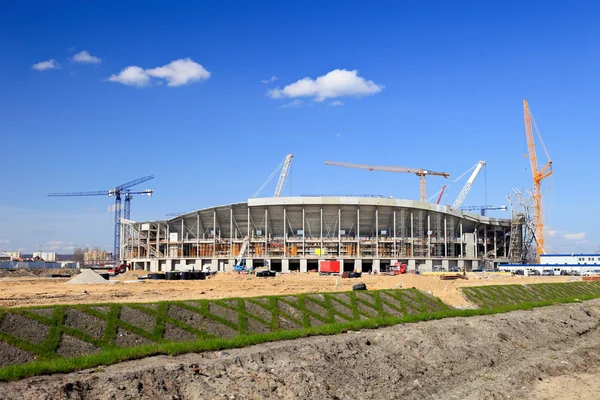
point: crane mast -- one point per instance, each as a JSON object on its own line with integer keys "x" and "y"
{"x": 284, "y": 174}
{"x": 421, "y": 173}
{"x": 538, "y": 176}
{"x": 465, "y": 190}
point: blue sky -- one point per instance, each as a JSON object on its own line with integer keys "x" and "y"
{"x": 439, "y": 85}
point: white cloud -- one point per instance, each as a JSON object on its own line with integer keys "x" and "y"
{"x": 131, "y": 76}
{"x": 574, "y": 236}
{"x": 337, "y": 83}
{"x": 336, "y": 103}
{"x": 293, "y": 104}
{"x": 338, "y": 135}
{"x": 44, "y": 65}
{"x": 84, "y": 57}
{"x": 176, "y": 73}
{"x": 551, "y": 232}
{"x": 4, "y": 241}
{"x": 58, "y": 246}
{"x": 271, "y": 79}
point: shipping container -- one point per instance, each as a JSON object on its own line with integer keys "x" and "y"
{"x": 329, "y": 267}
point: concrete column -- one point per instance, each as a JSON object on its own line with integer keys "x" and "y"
{"x": 412, "y": 265}
{"x": 428, "y": 266}
{"x": 358, "y": 265}
{"x": 428, "y": 235}
{"x": 376, "y": 266}
{"x": 445, "y": 238}
{"x": 303, "y": 266}
{"x": 495, "y": 246}
{"x": 285, "y": 232}
{"x": 153, "y": 266}
{"x": 412, "y": 235}
{"x": 229, "y": 265}
{"x": 285, "y": 266}
{"x": 476, "y": 236}
{"x": 377, "y": 232}
{"x": 249, "y": 263}
{"x": 445, "y": 265}
{"x": 169, "y": 266}
{"x": 214, "y": 264}
{"x": 303, "y": 240}
{"x": 358, "y": 231}
{"x": 395, "y": 252}
{"x": 249, "y": 221}
{"x": 461, "y": 263}
{"x": 485, "y": 249}
{"x": 461, "y": 241}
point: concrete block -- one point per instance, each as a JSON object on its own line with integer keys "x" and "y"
{"x": 285, "y": 266}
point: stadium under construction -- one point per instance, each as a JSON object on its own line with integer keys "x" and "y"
{"x": 299, "y": 233}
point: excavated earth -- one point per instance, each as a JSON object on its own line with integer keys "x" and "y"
{"x": 546, "y": 353}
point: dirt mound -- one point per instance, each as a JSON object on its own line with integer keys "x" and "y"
{"x": 87, "y": 276}
{"x": 490, "y": 357}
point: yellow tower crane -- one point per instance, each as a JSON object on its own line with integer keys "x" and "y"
{"x": 421, "y": 173}
{"x": 538, "y": 175}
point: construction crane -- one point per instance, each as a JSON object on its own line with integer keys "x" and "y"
{"x": 441, "y": 194}
{"x": 465, "y": 190}
{"x": 240, "y": 261}
{"x": 115, "y": 192}
{"x": 538, "y": 175}
{"x": 483, "y": 209}
{"x": 421, "y": 173}
{"x": 284, "y": 166}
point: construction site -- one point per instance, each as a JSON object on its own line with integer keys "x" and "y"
{"x": 334, "y": 234}
{"x": 417, "y": 260}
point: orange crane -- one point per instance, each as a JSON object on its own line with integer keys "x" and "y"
{"x": 421, "y": 173}
{"x": 538, "y": 176}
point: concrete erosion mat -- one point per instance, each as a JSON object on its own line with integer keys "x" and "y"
{"x": 49, "y": 333}
{"x": 520, "y": 354}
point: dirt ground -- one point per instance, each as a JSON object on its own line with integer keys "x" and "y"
{"x": 548, "y": 353}
{"x": 32, "y": 290}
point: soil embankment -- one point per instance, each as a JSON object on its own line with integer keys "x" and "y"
{"x": 547, "y": 353}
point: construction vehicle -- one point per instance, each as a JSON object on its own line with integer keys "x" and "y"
{"x": 538, "y": 175}
{"x": 121, "y": 269}
{"x": 240, "y": 261}
{"x": 421, "y": 173}
{"x": 398, "y": 269}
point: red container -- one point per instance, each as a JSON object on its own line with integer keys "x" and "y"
{"x": 330, "y": 267}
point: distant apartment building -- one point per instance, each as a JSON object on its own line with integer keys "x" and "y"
{"x": 15, "y": 255}
{"x": 44, "y": 255}
{"x": 94, "y": 256}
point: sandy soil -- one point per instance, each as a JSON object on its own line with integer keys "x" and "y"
{"x": 548, "y": 353}
{"x": 28, "y": 291}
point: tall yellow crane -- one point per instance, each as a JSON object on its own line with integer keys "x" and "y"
{"x": 538, "y": 176}
{"x": 421, "y": 173}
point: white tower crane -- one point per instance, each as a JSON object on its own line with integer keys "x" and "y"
{"x": 465, "y": 190}
{"x": 285, "y": 168}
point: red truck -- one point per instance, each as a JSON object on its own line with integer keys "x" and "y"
{"x": 398, "y": 269}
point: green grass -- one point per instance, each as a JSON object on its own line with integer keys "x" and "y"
{"x": 315, "y": 314}
{"x": 499, "y": 295}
